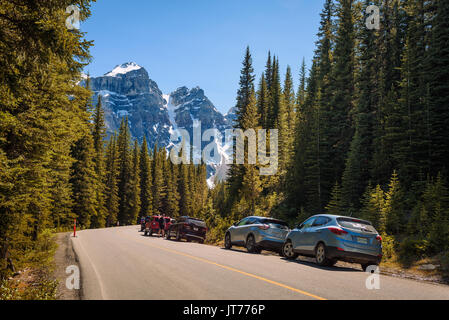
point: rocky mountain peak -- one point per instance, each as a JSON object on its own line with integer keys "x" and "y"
{"x": 125, "y": 69}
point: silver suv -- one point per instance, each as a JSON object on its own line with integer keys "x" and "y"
{"x": 330, "y": 238}
{"x": 257, "y": 233}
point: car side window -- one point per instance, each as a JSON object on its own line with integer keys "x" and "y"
{"x": 320, "y": 221}
{"x": 242, "y": 222}
{"x": 307, "y": 224}
{"x": 251, "y": 221}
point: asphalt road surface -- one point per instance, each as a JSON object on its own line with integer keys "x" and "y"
{"x": 120, "y": 263}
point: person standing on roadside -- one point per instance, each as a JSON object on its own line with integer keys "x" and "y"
{"x": 162, "y": 225}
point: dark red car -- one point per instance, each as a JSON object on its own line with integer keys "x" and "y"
{"x": 152, "y": 225}
{"x": 187, "y": 228}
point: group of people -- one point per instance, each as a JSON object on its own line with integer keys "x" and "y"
{"x": 161, "y": 226}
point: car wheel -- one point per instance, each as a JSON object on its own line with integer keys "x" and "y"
{"x": 287, "y": 251}
{"x": 189, "y": 240}
{"x": 366, "y": 265}
{"x": 251, "y": 244}
{"x": 321, "y": 255}
{"x": 228, "y": 243}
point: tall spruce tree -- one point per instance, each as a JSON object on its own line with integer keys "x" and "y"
{"x": 111, "y": 186}
{"x": 146, "y": 181}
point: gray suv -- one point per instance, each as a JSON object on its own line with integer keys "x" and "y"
{"x": 257, "y": 233}
{"x": 330, "y": 238}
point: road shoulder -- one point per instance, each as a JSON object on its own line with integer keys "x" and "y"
{"x": 65, "y": 256}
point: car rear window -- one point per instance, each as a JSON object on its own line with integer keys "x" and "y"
{"x": 356, "y": 224}
{"x": 275, "y": 223}
{"x": 199, "y": 223}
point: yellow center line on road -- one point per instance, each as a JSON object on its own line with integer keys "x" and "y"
{"x": 238, "y": 271}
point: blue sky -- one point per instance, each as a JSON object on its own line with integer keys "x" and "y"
{"x": 201, "y": 42}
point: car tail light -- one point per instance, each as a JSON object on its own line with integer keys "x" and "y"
{"x": 379, "y": 238}
{"x": 337, "y": 231}
{"x": 264, "y": 227}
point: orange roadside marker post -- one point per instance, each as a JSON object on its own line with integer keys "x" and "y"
{"x": 74, "y": 229}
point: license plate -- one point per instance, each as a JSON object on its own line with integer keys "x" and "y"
{"x": 195, "y": 229}
{"x": 362, "y": 240}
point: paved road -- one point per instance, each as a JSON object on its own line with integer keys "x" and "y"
{"x": 120, "y": 263}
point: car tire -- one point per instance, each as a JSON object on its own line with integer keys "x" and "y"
{"x": 321, "y": 256}
{"x": 227, "y": 242}
{"x": 251, "y": 244}
{"x": 189, "y": 240}
{"x": 366, "y": 265}
{"x": 287, "y": 251}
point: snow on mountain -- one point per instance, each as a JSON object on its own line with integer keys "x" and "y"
{"x": 128, "y": 91}
{"x": 123, "y": 69}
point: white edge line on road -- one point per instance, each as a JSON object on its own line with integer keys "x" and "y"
{"x": 103, "y": 295}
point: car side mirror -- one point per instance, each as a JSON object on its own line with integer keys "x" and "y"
{"x": 299, "y": 226}
{"x": 235, "y": 224}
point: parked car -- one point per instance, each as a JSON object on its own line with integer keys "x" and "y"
{"x": 331, "y": 238}
{"x": 187, "y": 228}
{"x": 257, "y": 233}
{"x": 168, "y": 223}
{"x": 153, "y": 225}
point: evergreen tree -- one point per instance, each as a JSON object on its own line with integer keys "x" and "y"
{"x": 438, "y": 88}
{"x": 146, "y": 181}
{"x": 342, "y": 86}
{"x": 111, "y": 186}
{"x": 135, "y": 186}
{"x": 124, "y": 168}
{"x": 83, "y": 180}
{"x": 99, "y": 134}
{"x": 335, "y": 205}
{"x": 394, "y": 207}
{"x": 235, "y": 174}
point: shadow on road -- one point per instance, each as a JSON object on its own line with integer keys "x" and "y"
{"x": 314, "y": 265}
{"x": 300, "y": 260}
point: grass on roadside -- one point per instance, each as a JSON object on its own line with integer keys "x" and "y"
{"x": 33, "y": 279}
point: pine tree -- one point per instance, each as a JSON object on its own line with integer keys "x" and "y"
{"x": 372, "y": 209}
{"x": 358, "y": 170}
{"x": 251, "y": 184}
{"x": 235, "y": 174}
{"x": 301, "y": 94}
{"x": 146, "y": 181}
{"x": 342, "y": 86}
{"x": 172, "y": 190}
{"x": 438, "y": 84}
{"x": 111, "y": 187}
{"x": 158, "y": 181}
{"x": 99, "y": 134}
{"x": 393, "y": 210}
{"x": 124, "y": 168}
{"x": 83, "y": 180}
{"x": 135, "y": 186}
{"x": 263, "y": 100}
{"x": 335, "y": 205}
{"x": 289, "y": 106}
